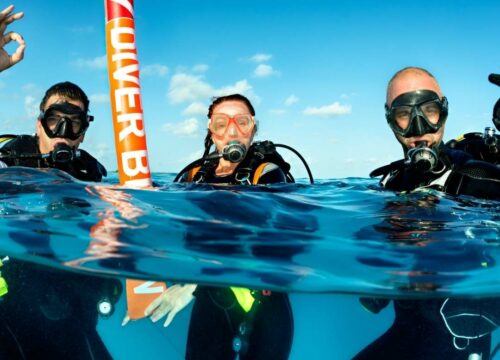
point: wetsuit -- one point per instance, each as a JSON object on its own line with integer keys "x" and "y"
{"x": 85, "y": 167}
{"x": 419, "y": 330}
{"x": 50, "y": 313}
{"x": 479, "y": 146}
{"x": 220, "y": 328}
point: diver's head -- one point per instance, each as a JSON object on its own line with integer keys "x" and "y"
{"x": 63, "y": 117}
{"x": 231, "y": 120}
{"x": 415, "y": 108}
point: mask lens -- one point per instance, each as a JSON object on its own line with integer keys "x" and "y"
{"x": 52, "y": 122}
{"x": 244, "y": 123}
{"x": 401, "y": 116}
{"x": 416, "y": 112}
{"x": 432, "y": 111}
{"x": 64, "y": 121}
{"x": 220, "y": 123}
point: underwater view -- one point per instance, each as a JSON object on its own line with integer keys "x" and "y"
{"x": 108, "y": 251}
{"x": 337, "y": 248}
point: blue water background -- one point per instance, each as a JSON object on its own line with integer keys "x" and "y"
{"x": 339, "y": 236}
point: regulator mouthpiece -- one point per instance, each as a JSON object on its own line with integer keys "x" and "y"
{"x": 234, "y": 152}
{"x": 62, "y": 154}
{"x": 422, "y": 158}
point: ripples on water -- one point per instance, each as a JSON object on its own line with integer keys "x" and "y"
{"x": 337, "y": 236}
{"x": 342, "y": 235}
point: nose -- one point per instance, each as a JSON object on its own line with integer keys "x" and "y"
{"x": 232, "y": 131}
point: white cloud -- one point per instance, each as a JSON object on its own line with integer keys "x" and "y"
{"x": 99, "y": 98}
{"x": 277, "y": 111}
{"x": 190, "y": 158}
{"x": 200, "y": 68}
{"x": 102, "y": 151}
{"x": 31, "y": 106}
{"x": 187, "y": 127}
{"x": 328, "y": 111}
{"x": 258, "y": 58}
{"x": 348, "y": 96}
{"x": 263, "y": 70}
{"x": 196, "y": 108}
{"x": 184, "y": 87}
{"x": 97, "y": 63}
{"x": 30, "y": 87}
{"x": 240, "y": 87}
{"x": 154, "y": 70}
{"x": 292, "y": 99}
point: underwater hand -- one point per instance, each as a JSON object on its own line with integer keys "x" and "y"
{"x": 6, "y": 18}
{"x": 170, "y": 302}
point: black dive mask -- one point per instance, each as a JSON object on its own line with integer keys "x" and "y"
{"x": 65, "y": 120}
{"x": 417, "y": 113}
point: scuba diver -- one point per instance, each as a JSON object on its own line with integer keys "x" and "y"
{"x": 233, "y": 322}
{"x": 416, "y": 111}
{"x": 48, "y": 312}
{"x": 453, "y": 328}
{"x": 60, "y": 129}
{"x": 482, "y": 146}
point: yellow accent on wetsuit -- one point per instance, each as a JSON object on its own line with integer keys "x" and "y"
{"x": 191, "y": 173}
{"x": 4, "y": 138}
{"x": 258, "y": 173}
{"x": 4, "y": 289}
{"x": 244, "y": 297}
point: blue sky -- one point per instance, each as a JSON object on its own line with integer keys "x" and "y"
{"x": 316, "y": 71}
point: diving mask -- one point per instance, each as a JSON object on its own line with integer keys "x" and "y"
{"x": 65, "y": 120}
{"x": 417, "y": 113}
{"x": 220, "y": 123}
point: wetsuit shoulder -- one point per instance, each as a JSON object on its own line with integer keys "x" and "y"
{"x": 21, "y": 144}
{"x": 270, "y": 174}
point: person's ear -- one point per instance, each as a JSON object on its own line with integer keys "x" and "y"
{"x": 39, "y": 127}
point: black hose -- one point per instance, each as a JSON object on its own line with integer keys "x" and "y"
{"x": 300, "y": 157}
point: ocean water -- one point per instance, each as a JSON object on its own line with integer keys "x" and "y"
{"x": 326, "y": 244}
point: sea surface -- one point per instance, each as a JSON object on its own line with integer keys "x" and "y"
{"x": 325, "y": 244}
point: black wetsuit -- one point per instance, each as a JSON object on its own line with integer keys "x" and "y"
{"x": 419, "y": 330}
{"x": 51, "y": 313}
{"x": 480, "y": 147}
{"x": 85, "y": 167}
{"x": 218, "y": 322}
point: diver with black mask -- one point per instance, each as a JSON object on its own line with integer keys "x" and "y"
{"x": 483, "y": 146}
{"x": 48, "y": 312}
{"x": 61, "y": 128}
{"x": 417, "y": 119}
{"x": 450, "y": 328}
